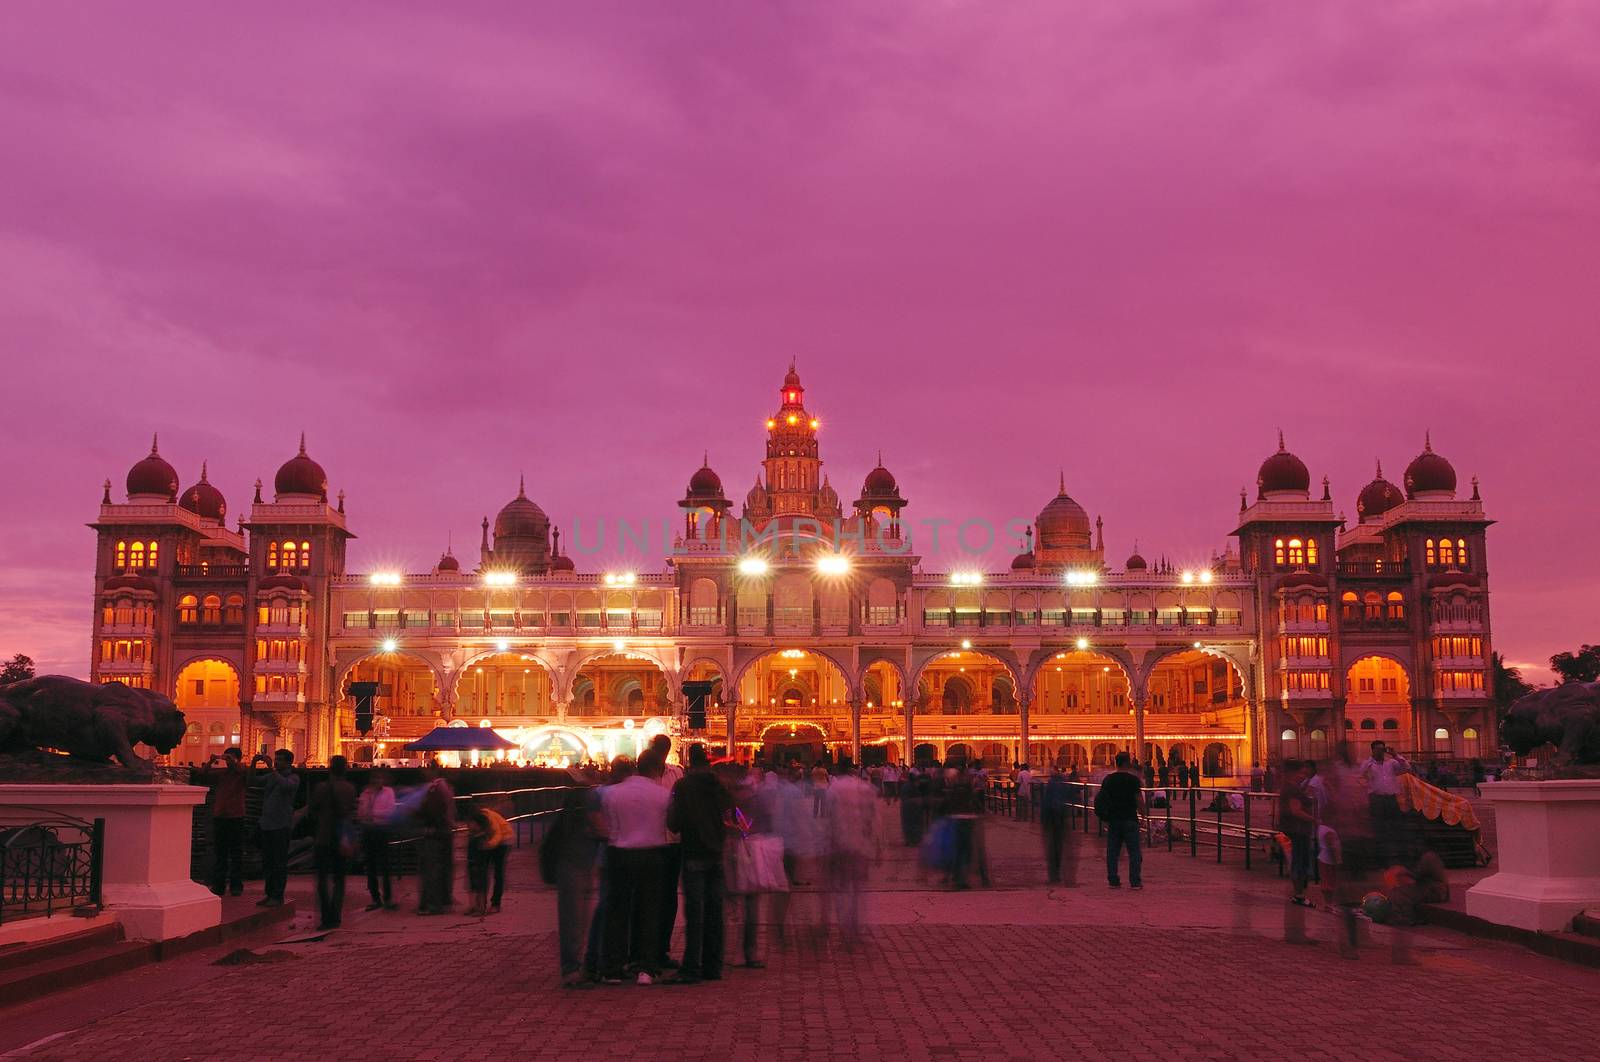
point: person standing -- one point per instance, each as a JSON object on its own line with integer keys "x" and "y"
{"x": 566, "y": 860}
{"x": 436, "y": 849}
{"x": 1054, "y": 808}
{"x": 1119, "y": 804}
{"x": 332, "y": 807}
{"x": 279, "y": 787}
{"x": 489, "y": 838}
{"x": 1024, "y": 793}
{"x": 1382, "y": 771}
{"x": 851, "y": 825}
{"x": 227, "y": 776}
{"x": 374, "y": 809}
{"x": 696, "y": 813}
{"x": 672, "y": 858}
{"x": 1297, "y": 821}
{"x": 636, "y": 824}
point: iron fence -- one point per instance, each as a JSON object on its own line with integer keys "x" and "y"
{"x": 49, "y": 863}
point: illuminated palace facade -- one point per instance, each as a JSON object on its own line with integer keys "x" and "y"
{"x": 815, "y": 624}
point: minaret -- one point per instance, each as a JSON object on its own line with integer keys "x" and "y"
{"x": 793, "y": 470}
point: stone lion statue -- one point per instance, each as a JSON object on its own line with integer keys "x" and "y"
{"x": 87, "y": 720}
{"x": 1566, "y": 716}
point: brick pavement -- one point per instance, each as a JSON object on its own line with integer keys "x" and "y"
{"x": 1188, "y": 969}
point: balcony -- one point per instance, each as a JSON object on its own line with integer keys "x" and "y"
{"x": 237, "y": 573}
{"x": 1374, "y": 569}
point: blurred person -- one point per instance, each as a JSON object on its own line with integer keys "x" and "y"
{"x": 749, "y": 815}
{"x": 696, "y": 813}
{"x": 279, "y": 787}
{"x": 672, "y": 856}
{"x": 489, "y": 838}
{"x": 852, "y": 840}
{"x": 1297, "y": 820}
{"x": 374, "y": 810}
{"x": 819, "y": 787}
{"x": 436, "y": 848}
{"x": 1119, "y": 804}
{"x": 620, "y": 770}
{"x": 332, "y": 809}
{"x": 1024, "y": 782}
{"x": 1054, "y": 811}
{"x": 636, "y": 828}
{"x": 566, "y": 860}
{"x": 1382, "y": 771}
{"x": 227, "y": 777}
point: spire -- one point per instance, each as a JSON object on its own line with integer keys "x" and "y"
{"x": 1427, "y": 440}
{"x": 105, "y": 499}
{"x": 522, "y": 485}
{"x": 485, "y": 545}
{"x": 1099, "y": 533}
{"x": 302, "y": 444}
{"x": 1062, "y": 483}
{"x": 555, "y": 533}
{"x": 1379, "y": 473}
{"x": 341, "y": 500}
{"x": 203, "y": 471}
{"x": 258, "y": 492}
{"x": 1030, "y": 538}
{"x": 1242, "y": 505}
{"x": 705, "y": 459}
{"x": 1474, "y": 489}
{"x": 880, "y": 457}
{"x": 154, "y": 437}
{"x": 1281, "y": 447}
{"x": 1326, "y": 496}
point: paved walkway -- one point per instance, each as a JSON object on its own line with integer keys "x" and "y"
{"x": 1193, "y": 967}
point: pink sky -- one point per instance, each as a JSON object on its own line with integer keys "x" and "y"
{"x": 583, "y": 241}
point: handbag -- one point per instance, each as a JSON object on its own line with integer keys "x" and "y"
{"x": 754, "y": 864}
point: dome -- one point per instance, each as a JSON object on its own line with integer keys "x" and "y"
{"x": 880, "y": 481}
{"x": 1135, "y": 563}
{"x": 301, "y": 475}
{"x": 1063, "y": 523}
{"x": 562, "y": 563}
{"x": 204, "y": 500}
{"x": 705, "y": 482}
{"x": 1377, "y": 498}
{"x": 791, "y": 379}
{"x": 1430, "y": 474}
{"x": 521, "y": 518}
{"x": 1283, "y": 472}
{"x": 447, "y": 563}
{"x": 1023, "y": 561}
{"x": 153, "y": 476}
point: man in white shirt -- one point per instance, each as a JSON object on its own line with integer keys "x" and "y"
{"x": 672, "y": 859}
{"x": 1381, "y": 771}
{"x": 851, "y": 825}
{"x": 1024, "y": 792}
{"x": 635, "y": 812}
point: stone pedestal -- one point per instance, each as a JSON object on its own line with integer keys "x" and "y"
{"x": 145, "y": 873}
{"x": 1549, "y": 857}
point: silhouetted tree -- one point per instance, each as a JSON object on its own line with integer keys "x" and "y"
{"x": 16, "y": 669}
{"x": 1582, "y": 666}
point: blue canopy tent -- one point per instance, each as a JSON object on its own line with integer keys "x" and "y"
{"x": 460, "y": 739}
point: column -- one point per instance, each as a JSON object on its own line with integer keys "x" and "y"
{"x": 855, "y": 732}
{"x": 911, "y": 740}
{"x": 731, "y": 709}
{"x": 1138, "y": 726}
{"x": 1023, "y": 703}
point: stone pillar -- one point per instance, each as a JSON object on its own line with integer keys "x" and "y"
{"x": 911, "y": 738}
{"x": 731, "y": 711}
{"x": 855, "y": 732}
{"x": 1138, "y": 728}
{"x": 1023, "y": 703}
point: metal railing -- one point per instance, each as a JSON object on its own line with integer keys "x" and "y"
{"x": 43, "y": 873}
{"x": 530, "y": 811}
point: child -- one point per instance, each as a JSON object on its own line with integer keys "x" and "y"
{"x": 488, "y": 840}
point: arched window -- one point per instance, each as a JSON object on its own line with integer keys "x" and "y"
{"x": 1311, "y": 552}
{"x": 1469, "y": 741}
{"x": 188, "y": 609}
{"x": 151, "y": 563}
{"x": 305, "y": 555}
{"x": 1391, "y": 724}
{"x": 1297, "y": 553}
{"x": 233, "y": 610}
{"x": 136, "y": 555}
{"x": 1461, "y": 552}
{"x": 1395, "y": 605}
{"x": 1348, "y": 605}
{"x": 272, "y": 554}
{"x": 1441, "y": 734}
{"x": 1374, "y": 605}
{"x": 288, "y": 554}
{"x": 1433, "y": 557}
{"x": 1322, "y": 610}
{"x": 211, "y": 609}
{"x": 1277, "y": 552}
{"x": 1287, "y": 735}
{"x": 122, "y": 555}
{"x": 1447, "y": 553}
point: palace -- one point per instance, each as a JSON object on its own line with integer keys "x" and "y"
{"x": 815, "y": 626}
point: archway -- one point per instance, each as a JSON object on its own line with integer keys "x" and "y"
{"x": 620, "y": 684}
{"x": 1216, "y": 761}
{"x": 963, "y": 682}
{"x": 207, "y": 692}
{"x": 957, "y": 754}
{"x": 795, "y": 741}
{"x": 1104, "y": 754}
{"x": 504, "y": 686}
{"x": 1378, "y": 698}
{"x": 1192, "y": 681}
{"x": 1072, "y": 755}
{"x": 1081, "y": 682}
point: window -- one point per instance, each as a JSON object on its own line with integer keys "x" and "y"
{"x": 1373, "y": 609}
{"x": 385, "y": 618}
{"x": 211, "y": 609}
{"x": 1297, "y": 553}
{"x": 289, "y": 550}
{"x": 136, "y": 555}
{"x": 1348, "y": 605}
{"x": 305, "y": 556}
{"x": 1277, "y": 552}
{"x": 356, "y": 619}
{"x": 1447, "y": 553}
{"x": 936, "y": 617}
{"x": 1441, "y": 734}
{"x": 1469, "y": 742}
{"x": 272, "y": 554}
{"x": 233, "y": 610}
{"x": 1433, "y": 557}
{"x": 1287, "y": 735}
{"x": 1311, "y": 552}
{"x": 416, "y": 617}
{"x": 1461, "y": 552}
{"x": 1395, "y": 606}
{"x": 122, "y": 555}
{"x": 1322, "y": 611}
{"x": 151, "y": 561}
{"x": 1391, "y": 724}
{"x": 188, "y": 609}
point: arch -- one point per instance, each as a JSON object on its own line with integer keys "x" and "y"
{"x": 704, "y": 601}
{"x": 995, "y": 755}
{"x": 1378, "y": 692}
{"x": 1072, "y": 755}
{"x": 1103, "y": 754}
{"x": 1157, "y": 657}
{"x": 408, "y": 684}
{"x": 807, "y": 657}
{"x": 622, "y": 682}
{"x": 941, "y": 657}
{"x": 1081, "y": 680}
{"x": 1183, "y": 752}
{"x": 547, "y": 743}
{"x": 958, "y": 752}
{"x": 1216, "y": 761}
{"x": 883, "y": 602}
{"x": 924, "y": 752}
{"x": 206, "y": 690}
{"x": 956, "y": 697}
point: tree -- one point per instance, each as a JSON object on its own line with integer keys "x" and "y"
{"x": 1509, "y": 685}
{"x": 16, "y": 669}
{"x": 1582, "y": 666}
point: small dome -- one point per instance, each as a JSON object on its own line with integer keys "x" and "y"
{"x": 204, "y": 500}
{"x": 1377, "y": 498}
{"x": 521, "y": 518}
{"x": 791, "y": 379}
{"x": 152, "y": 476}
{"x": 1023, "y": 561}
{"x": 1430, "y": 474}
{"x": 301, "y": 476}
{"x": 1063, "y": 523}
{"x": 1283, "y": 472}
{"x": 447, "y": 563}
{"x": 880, "y": 481}
{"x": 705, "y": 483}
{"x": 562, "y": 563}
{"x": 283, "y": 582}
{"x": 1135, "y": 563}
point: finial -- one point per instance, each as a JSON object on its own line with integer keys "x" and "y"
{"x": 880, "y": 457}
{"x": 555, "y": 533}
{"x": 1029, "y": 533}
{"x": 522, "y": 485}
{"x": 1379, "y": 473}
{"x": 154, "y": 436}
{"x": 705, "y": 459}
{"x": 1242, "y": 505}
{"x": 1062, "y": 482}
{"x": 1326, "y": 496}
{"x": 302, "y": 444}
{"x": 341, "y": 499}
{"x": 203, "y": 471}
{"x": 1427, "y": 440}
{"x": 258, "y": 492}
{"x": 1474, "y": 489}
{"x": 1280, "y": 441}
{"x": 105, "y": 499}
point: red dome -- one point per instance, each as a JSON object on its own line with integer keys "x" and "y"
{"x": 1023, "y": 561}
{"x": 1428, "y": 473}
{"x": 791, "y": 379}
{"x": 204, "y": 500}
{"x": 562, "y": 563}
{"x": 521, "y": 518}
{"x": 448, "y": 563}
{"x": 880, "y": 481}
{"x": 152, "y": 475}
{"x": 1284, "y": 472}
{"x": 1136, "y": 563}
{"x": 1377, "y": 498}
{"x": 301, "y": 475}
{"x": 706, "y": 482}
{"x": 1063, "y": 523}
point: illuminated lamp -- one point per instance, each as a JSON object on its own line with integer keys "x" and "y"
{"x": 1188, "y": 576}
{"x": 390, "y": 645}
{"x": 833, "y": 564}
{"x": 1083, "y": 643}
{"x": 1205, "y": 576}
{"x": 793, "y": 419}
{"x": 752, "y": 565}
{"x": 966, "y": 643}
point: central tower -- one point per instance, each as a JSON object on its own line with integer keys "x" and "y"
{"x": 792, "y": 469}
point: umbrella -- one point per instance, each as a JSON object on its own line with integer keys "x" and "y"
{"x": 459, "y": 739}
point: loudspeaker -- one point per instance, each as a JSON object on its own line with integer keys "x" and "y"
{"x": 363, "y": 692}
{"x": 696, "y": 693}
